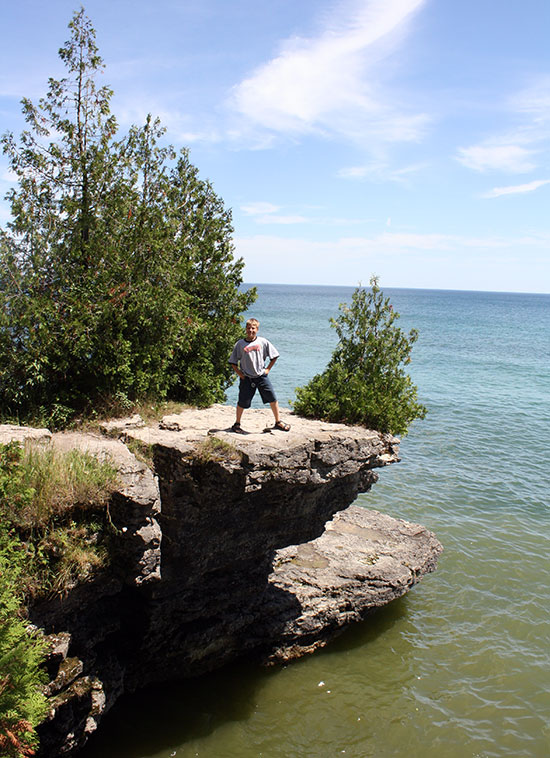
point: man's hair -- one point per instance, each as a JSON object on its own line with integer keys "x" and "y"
{"x": 253, "y": 321}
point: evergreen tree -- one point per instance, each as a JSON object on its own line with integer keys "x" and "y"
{"x": 365, "y": 381}
{"x": 117, "y": 276}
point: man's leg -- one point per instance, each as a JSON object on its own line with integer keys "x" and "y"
{"x": 239, "y": 414}
{"x": 275, "y": 408}
{"x": 246, "y": 393}
{"x": 282, "y": 425}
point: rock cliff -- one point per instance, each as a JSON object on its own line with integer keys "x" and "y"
{"x": 228, "y": 546}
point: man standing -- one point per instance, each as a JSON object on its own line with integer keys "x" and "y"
{"x": 248, "y": 360}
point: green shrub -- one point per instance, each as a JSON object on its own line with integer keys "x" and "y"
{"x": 22, "y": 704}
{"x": 365, "y": 382}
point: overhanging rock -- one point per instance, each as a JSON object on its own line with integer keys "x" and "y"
{"x": 229, "y": 546}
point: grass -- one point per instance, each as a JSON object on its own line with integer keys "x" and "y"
{"x": 61, "y": 482}
{"x": 142, "y": 451}
{"x": 56, "y": 506}
{"x": 214, "y": 449}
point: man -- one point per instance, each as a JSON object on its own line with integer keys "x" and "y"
{"x": 248, "y": 360}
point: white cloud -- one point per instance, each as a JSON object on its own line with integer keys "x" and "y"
{"x": 393, "y": 241}
{"x": 379, "y": 171}
{"x": 274, "y": 219}
{"x": 259, "y": 208}
{"x": 402, "y": 260}
{"x": 518, "y": 189}
{"x": 520, "y": 149}
{"x": 535, "y": 101}
{"x": 298, "y": 253}
{"x": 293, "y": 252}
{"x": 178, "y": 124}
{"x": 322, "y": 84}
{"x": 497, "y": 157}
{"x": 267, "y": 213}
{"x": 355, "y": 172}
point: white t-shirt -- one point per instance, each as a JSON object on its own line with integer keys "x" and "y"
{"x": 252, "y": 355}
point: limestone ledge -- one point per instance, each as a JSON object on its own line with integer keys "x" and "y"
{"x": 228, "y": 546}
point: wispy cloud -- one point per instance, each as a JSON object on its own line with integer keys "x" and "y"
{"x": 518, "y": 189}
{"x": 294, "y": 250}
{"x": 262, "y": 212}
{"x": 534, "y": 101}
{"x": 355, "y": 172}
{"x": 325, "y": 85}
{"x": 267, "y": 213}
{"x": 380, "y": 171}
{"x": 397, "y": 258}
{"x": 494, "y": 157}
{"x": 259, "y": 208}
{"x": 521, "y": 148}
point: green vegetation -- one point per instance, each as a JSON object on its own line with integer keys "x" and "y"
{"x": 365, "y": 381}
{"x": 142, "y": 451}
{"x": 117, "y": 276}
{"x": 54, "y": 532}
{"x": 22, "y": 704}
{"x": 215, "y": 449}
{"x": 118, "y": 287}
{"x": 54, "y": 507}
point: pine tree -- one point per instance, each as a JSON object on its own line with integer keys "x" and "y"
{"x": 117, "y": 276}
{"x": 365, "y": 381}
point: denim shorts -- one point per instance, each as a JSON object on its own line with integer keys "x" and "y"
{"x": 248, "y": 387}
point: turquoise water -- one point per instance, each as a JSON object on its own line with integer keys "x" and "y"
{"x": 460, "y": 667}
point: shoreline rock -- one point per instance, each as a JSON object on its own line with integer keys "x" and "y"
{"x": 228, "y": 546}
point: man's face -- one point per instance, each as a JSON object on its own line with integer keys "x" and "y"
{"x": 251, "y": 331}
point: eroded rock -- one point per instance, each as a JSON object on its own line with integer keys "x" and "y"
{"x": 229, "y": 545}
{"x": 362, "y": 561}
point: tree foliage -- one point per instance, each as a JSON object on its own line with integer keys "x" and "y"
{"x": 365, "y": 380}
{"x": 117, "y": 275}
{"x": 22, "y": 703}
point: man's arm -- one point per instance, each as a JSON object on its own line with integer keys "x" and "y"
{"x": 270, "y": 366}
{"x": 237, "y": 370}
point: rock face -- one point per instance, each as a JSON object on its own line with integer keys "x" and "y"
{"x": 229, "y": 545}
{"x": 362, "y": 561}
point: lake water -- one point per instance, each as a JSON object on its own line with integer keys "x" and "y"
{"x": 460, "y": 667}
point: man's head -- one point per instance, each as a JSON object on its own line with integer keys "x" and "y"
{"x": 252, "y": 328}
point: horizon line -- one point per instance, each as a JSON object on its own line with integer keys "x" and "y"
{"x": 391, "y": 287}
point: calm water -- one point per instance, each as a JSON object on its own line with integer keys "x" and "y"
{"x": 460, "y": 667}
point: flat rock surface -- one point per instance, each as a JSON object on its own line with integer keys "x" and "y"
{"x": 310, "y": 446}
{"x": 13, "y": 433}
{"x": 258, "y": 426}
{"x": 193, "y": 425}
{"x": 362, "y": 561}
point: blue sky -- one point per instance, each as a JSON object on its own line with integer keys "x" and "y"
{"x": 405, "y": 138}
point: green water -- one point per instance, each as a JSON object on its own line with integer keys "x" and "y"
{"x": 460, "y": 667}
